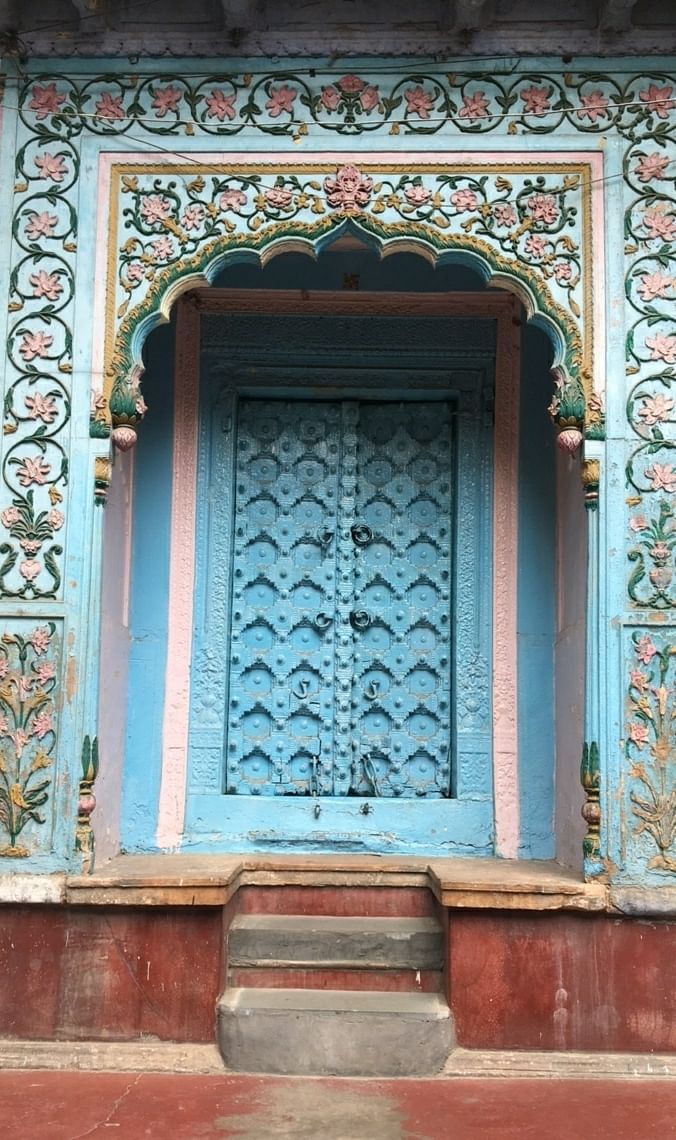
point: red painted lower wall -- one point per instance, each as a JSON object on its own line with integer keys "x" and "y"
{"x": 109, "y": 974}
{"x": 562, "y": 981}
{"x": 516, "y": 980}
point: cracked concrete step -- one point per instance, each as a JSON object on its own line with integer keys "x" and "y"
{"x": 326, "y": 941}
{"x": 334, "y": 1032}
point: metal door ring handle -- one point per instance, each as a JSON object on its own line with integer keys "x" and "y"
{"x": 360, "y": 619}
{"x": 322, "y": 621}
{"x": 361, "y": 534}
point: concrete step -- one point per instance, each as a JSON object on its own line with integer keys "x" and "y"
{"x": 327, "y": 941}
{"x": 334, "y": 1032}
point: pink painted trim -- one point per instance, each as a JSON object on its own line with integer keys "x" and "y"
{"x": 181, "y": 580}
{"x": 505, "y": 577}
{"x": 182, "y": 556}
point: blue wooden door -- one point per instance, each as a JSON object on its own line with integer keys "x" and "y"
{"x": 340, "y": 656}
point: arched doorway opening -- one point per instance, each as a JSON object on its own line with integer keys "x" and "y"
{"x": 269, "y": 723}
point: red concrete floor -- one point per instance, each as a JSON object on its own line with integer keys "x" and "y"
{"x": 117, "y": 1106}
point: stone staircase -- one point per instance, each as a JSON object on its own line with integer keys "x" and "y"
{"x": 346, "y": 995}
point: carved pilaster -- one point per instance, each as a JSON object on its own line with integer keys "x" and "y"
{"x": 591, "y": 810}
{"x": 591, "y": 474}
{"x": 84, "y": 834}
{"x": 102, "y": 477}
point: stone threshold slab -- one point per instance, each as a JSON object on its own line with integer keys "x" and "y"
{"x": 212, "y": 880}
{"x": 166, "y": 1057}
{"x": 204, "y": 880}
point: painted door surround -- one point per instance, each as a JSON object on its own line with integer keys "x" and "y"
{"x": 225, "y": 820}
{"x": 602, "y": 139}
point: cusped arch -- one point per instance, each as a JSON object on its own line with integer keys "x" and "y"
{"x": 124, "y": 405}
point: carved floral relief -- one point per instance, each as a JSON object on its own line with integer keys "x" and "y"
{"x": 28, "y": 679}
{"x": 651, "y": 745}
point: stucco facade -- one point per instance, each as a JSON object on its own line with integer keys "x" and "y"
{"x": 190, "y": 235}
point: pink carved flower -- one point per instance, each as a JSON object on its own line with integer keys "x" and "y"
{"x": 659, "y": 223}
{"x": 232, "y": 199}
{"x": 9, "y": 516}
{"x": 464, "y": 199}
{"x": 140, "y": 407}
{"x": 46, "y": 285}
{"x": 638, "y": 523}
{"x": 192, "y": 216}
{"x": 330, "y": 98}
{"x": 662, "y": 347}
{"x": 154, "y": 208}
{"x": 19, "y": 740}
{"x": 417, "y": 195}
{"x": 40, "y": 639}
{"x": 535, "y": 245}
{"x": 645, "y": 650}
{"x": 651, "y": 166}
{"x": 32, "y": 469}
{"x": 42, "y": 724}
{"x": 40, "y": 225}
{"x": 55, "y": 519}
{"x": 638, "y": 680}
{"x": 474, "y": 106}
{"x": 536, "y": 100}
{"x": 654, "y": 285}
{"x": 638, "y": 733}
{"x": 51, "y": 166}
{"x": 29, "y": 569}
{"x": 109, "y": 106}
{"x": 35, "y": 344}
{"x": 45, "y": 672}
{"x": 278, "y": 198}
{"x": 351, "y": 84}
{"x": 220, "y": 106}
{"x": 594, "y": 106}
{"x": 135, "y": 271}
{"x": 281, "y": 99}
{"x": 662, "y": 478}
{"x": 504, "y": 214}
{"x": 30, "y": 545}
{"x": 350, "y": 190}
{"x": 543, "y": 208}
{"x": 166, "y": 99}
{"x": 658, "y": 99}
{"x": 41, "y": 407}
{"x": 655, "y": 409}
{"x": 418, "y": 102}
{"x": 369, "y": 98}
{"x": 45, "y": 100}
{"x": 163, "y": 248}
{"x": 563, "y": 271}
{"x": 659, "y": 552}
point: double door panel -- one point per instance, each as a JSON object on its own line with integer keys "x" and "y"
{"x": 340, "y": 643}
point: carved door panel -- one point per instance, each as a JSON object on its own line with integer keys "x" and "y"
{"x": 401, "y": 688}
{"x": 340, "y": 674}
{"x": 280, "y": 733}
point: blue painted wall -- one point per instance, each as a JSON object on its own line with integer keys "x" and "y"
{"x": 148, "y": 601}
